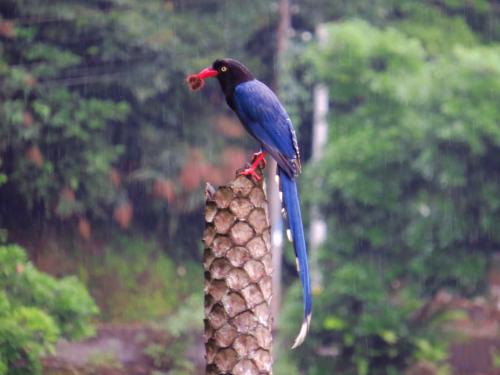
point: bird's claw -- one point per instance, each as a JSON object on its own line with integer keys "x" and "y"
{"x": 262, "y": 162}
{"x": 250, "y": 172}
{"x": 258, "y": 161}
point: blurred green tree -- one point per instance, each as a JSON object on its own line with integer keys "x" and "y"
{"x": 432, "y": 17}
{"x": 95, "y": 118}
{"x": 409, "y": 187}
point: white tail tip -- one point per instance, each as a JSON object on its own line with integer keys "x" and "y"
{"x": 303, "y": 332}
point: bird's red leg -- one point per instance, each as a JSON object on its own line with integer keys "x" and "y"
{"x": 258, "y": 158}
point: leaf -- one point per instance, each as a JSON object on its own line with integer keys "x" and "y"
{"x": 333, "y": 323}
{"x": 389, "y": 336}
{"x": 42, "y": 109}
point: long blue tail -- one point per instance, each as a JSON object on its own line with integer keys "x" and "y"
{"x": 291, "y": 204}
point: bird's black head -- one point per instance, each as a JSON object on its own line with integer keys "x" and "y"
{"x": 230, "y": 74}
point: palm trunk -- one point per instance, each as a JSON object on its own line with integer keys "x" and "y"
{"x": 238, "y": 269}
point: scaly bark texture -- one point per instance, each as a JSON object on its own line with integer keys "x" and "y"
{"x": 238, "y": 268}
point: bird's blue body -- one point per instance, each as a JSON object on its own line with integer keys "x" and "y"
{"x": 266, "y": 120}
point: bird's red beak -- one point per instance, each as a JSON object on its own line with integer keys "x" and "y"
{"x": 196, "y": 81}
{"x": 207, "y": 73}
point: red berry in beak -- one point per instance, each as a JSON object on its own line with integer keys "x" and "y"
{"x": 195, "y": 82}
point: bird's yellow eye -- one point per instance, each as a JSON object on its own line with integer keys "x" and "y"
{"x": 223, "y": 69}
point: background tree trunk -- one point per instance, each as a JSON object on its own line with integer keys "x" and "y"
{"x": 238, "y": 279}
{"x": 283, "y": 29}
{"x": 318, "y": 227}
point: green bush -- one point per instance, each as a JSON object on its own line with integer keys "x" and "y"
{"x": 35, "y": 310}
{"x": 142, "y": 283}
{"x": 363, "y": 325}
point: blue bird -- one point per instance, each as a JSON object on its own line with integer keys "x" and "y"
{"x": 264, "y": 117}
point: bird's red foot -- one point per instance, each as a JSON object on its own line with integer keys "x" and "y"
{"x": 259, "y": 159}
{"x": 250, "y": 172}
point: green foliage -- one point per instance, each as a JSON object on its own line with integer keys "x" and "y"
{"x": 363, "y": 325}
{"x": 171, "y": 357}
{"x": 182, "y": 326}
{"x": 407, "y": 169}
{"x": 434, "y": 21}
{"x": 35, "y": 310}
{"x": 56, "y": 138}
{"x": 409, "y": 188}
{"x": 187, "y": 317}
{"x": 107, "y": 359}
{"x": 141, "y": 282}
{"x": 97, "y": 89}
{"x": 437, "y": 31}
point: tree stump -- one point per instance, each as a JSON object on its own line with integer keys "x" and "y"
{"x": 238, "y": 268}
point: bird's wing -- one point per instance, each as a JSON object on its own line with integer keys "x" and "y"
{"x": 265, "y": 118}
